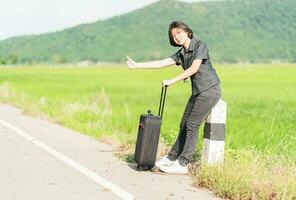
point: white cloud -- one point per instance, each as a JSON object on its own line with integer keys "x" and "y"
{"x": 20, "y": 17}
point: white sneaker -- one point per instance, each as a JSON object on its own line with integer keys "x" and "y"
{"x": 163, "y": 162}
{"x": 174, "y": 168}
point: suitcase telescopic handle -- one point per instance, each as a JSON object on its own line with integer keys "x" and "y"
{"x": 162, "y": 100}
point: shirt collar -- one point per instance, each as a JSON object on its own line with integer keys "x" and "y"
{"x": 192, "y": 44}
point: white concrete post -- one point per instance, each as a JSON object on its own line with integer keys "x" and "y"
{"x": 214, "y": 135}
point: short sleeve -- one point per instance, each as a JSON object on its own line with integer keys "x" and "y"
{"x": 177, "y": 57}
{"x": 201, "y": 52}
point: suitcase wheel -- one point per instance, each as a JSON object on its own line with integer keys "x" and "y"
{"x": 144, "y": 168}
{"x": 140, "y": 168}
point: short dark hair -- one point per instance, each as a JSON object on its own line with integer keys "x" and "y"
{"x": 181, "y": 25}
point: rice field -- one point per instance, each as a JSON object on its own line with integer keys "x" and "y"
{"x": 106, "y": 102}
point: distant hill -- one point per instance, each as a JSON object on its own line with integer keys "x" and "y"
{"x": 235, "y": 31}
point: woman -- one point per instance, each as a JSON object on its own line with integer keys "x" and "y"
{"x": 194, "y": 58}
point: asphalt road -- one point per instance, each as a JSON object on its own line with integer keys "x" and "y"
{"x": 43, "y": 160}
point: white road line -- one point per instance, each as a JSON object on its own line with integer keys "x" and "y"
{"x": 87, "y": 172}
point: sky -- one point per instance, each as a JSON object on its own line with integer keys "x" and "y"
{"x": 25, "y": 17}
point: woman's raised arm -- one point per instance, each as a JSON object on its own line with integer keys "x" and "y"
{"x": 151, "y": 64}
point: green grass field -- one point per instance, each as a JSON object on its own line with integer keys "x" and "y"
{"x": 107, "y": 102}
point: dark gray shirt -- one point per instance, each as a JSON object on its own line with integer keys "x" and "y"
{"x": 206, "y": 75}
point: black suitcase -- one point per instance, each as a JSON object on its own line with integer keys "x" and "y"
{"x": 148, "y": 136}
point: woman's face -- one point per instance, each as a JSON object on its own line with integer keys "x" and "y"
{"x": 179, "y": 35}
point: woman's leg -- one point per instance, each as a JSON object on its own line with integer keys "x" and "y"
{"x": 204, "y": 103}
{"x": 180, "y": 141}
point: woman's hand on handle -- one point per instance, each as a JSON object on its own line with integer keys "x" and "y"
{"x": 131, "y": 63}
{"x": 167, "y": 82}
